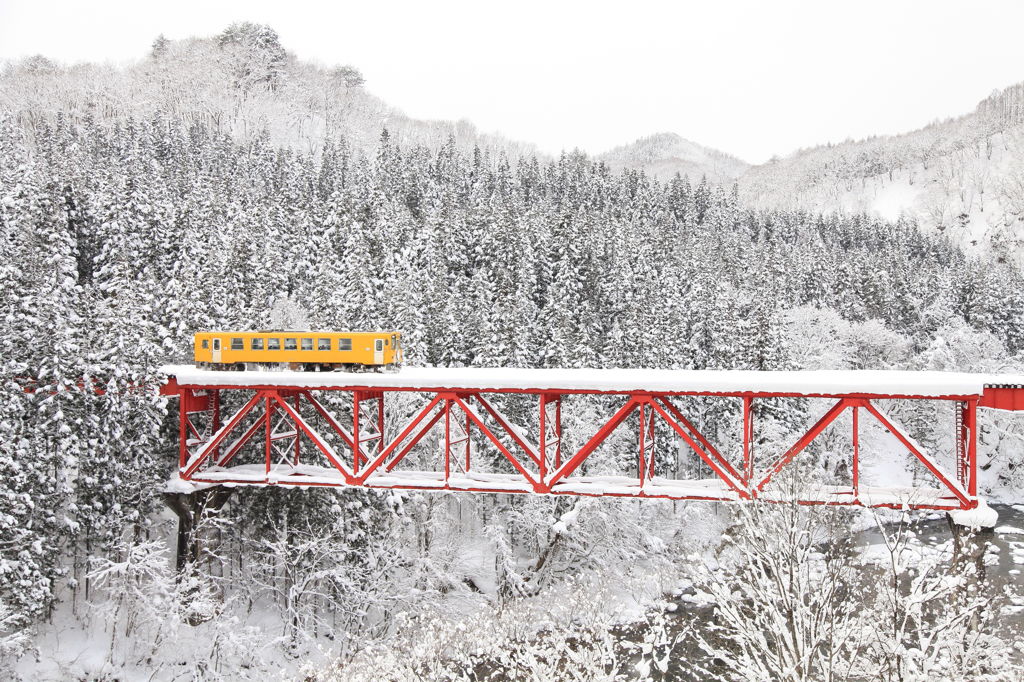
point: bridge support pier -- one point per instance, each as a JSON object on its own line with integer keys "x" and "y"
{"x": 191, "y": 509}
{"x": 971, "y": 531}
{"x": 972, "y": 540}
{"x": 970, "y": 544}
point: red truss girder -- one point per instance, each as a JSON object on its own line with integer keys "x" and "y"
{"x": 294, "y": 438}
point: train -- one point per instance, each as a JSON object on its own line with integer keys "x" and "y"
{"x": 317, "y": 351}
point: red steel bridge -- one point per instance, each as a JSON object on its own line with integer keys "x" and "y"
{"x": 447, "y": 429}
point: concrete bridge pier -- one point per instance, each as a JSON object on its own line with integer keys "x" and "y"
{"x": 191, "y": 509}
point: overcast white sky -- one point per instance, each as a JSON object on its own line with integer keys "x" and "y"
{"x": 751, "y": 78}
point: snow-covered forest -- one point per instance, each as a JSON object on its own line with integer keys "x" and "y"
{"x": 202, "y": 186}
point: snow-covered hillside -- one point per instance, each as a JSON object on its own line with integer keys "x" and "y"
{"x": 665, "y": 154}
{"x": 242, "y": 82}
{"x": 962, "y": 177}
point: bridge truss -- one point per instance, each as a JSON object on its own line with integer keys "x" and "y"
{"x": 437, "y": 429}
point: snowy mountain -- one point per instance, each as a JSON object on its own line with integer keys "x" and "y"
{"x": 241, "y": 82}
{"x": 962, "y": 177}
{"x": 665, "y": 154}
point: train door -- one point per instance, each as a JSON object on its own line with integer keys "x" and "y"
{"x": 378, "y": 352}
{"x": 216, "y": 350}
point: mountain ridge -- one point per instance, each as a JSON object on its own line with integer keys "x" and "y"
{"x": 663, "y": 155}
{"x": 962, "y": 177}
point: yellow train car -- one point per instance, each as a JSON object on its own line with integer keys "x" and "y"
{"x": 304, "y": 351}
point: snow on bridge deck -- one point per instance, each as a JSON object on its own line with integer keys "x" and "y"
{"x": 710, "y": 489}
{"x": 838, "y": 383}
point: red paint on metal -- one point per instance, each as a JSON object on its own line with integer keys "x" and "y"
{"x": 218, "y": 438}
{"x": 268, "y": 419}
{"x": 298, "y": 438}
{"x": 240, "y": 443}
{"x": 748, "y": 441}
{"x": 804, "y": 441}
{"x": 317, "y": 441}
{"x": 912, "y": 447}
{"x": 576, "y": 460}
{"x": 718, "y": 464}
{"x": 215, "y": 417}
{"x": 1003, "y": 398}
{"x": 582, "y": 391}
{"x": 856, "y": 452}
{"x": 707, "y": 452}
{"x": 539, "y": 467}
{"x": 409, "y": 428}
{"x": 498, "y": 444}
{"x": 503, "y": 423}
{"x": 972, "y": 450}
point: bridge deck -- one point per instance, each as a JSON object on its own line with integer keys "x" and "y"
{"x": 878, "y": 383}
{"x": 587, "y": 486}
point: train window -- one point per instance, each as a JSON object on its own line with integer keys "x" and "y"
{"x": 237, "y": 343}
{"x": 307, "y": 344}
{"x": 344, "y": 344}
{"x": 385, "y": 342}
{"x": 323, "y": 344}
{"x": 273, "y": 344}
{"x": 256, "y": 344}
{"x": 206, "y": 343}
{"x": 290, "y": 344}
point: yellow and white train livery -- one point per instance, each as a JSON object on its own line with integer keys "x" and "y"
{"x": 303, "y": 351}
